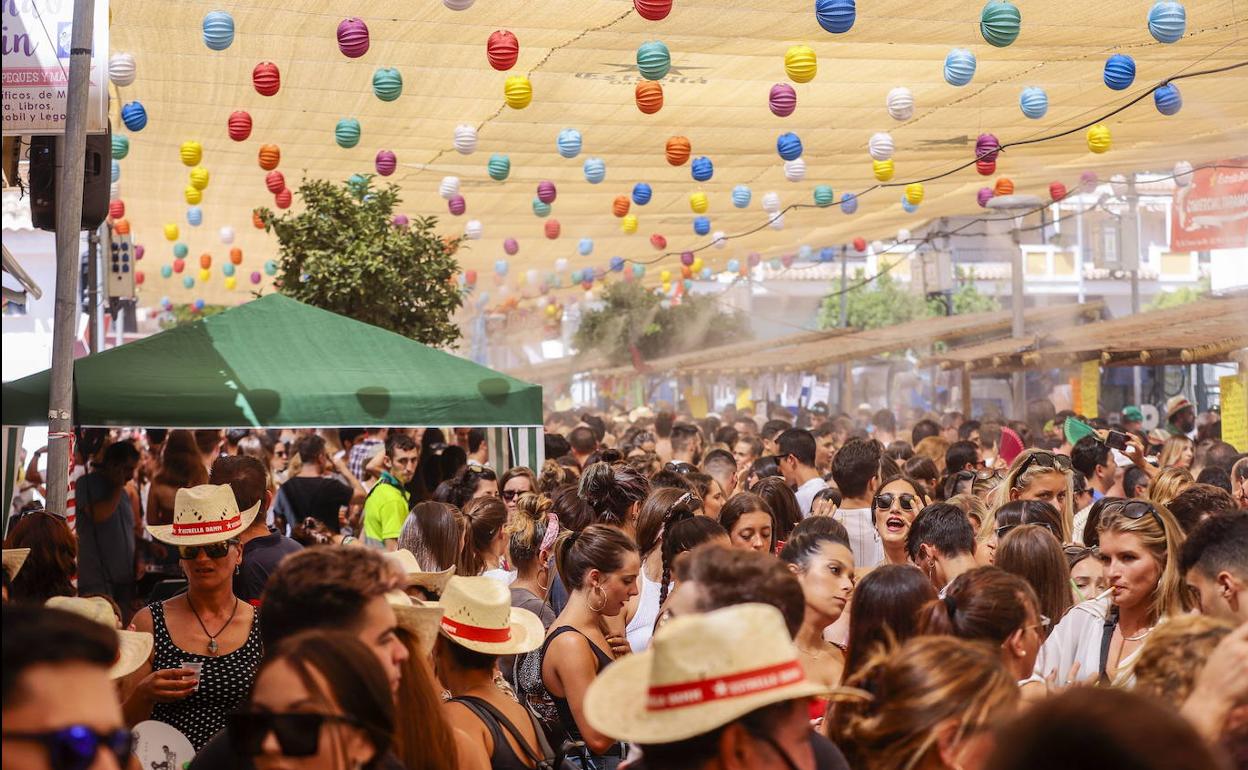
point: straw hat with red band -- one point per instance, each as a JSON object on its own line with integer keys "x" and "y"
{"x": 477, "y": 614}
{"x": 1176, "y": 404}
{"x": 434, "y": 582}
{"x": 204, "y": 514}
{"x": 700, "y": 673}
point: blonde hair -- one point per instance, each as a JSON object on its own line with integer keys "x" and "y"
{"x": 1168, "y": 484}
{"x": 1174, "y": 655}
{"x": 1163, "y": 537}
{"x": 1021, "y": 481}
{"x": 1172, "y": 450}
{"x": 527, "y": 528}
{"x": 933, "y": 448}
{"x": 972, "y": 506}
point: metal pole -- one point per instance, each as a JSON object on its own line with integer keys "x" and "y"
{"x": 844, "y": 286}
{"x": 93, "y": 291}
{"x": 1133, "y": 204}
{"x": 68, "y": 224}
{"x": 1016, "y": 305}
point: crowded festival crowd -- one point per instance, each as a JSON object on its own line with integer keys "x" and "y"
{"x": 786, "y": 589}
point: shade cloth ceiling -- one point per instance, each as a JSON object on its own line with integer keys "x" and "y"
{"x": 581, "y": 59}
{"x": 275, "y": 362}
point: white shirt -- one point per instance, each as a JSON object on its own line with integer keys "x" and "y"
{"x": 806, "y": 494}
{"x": 864, "y": 540}
{"x": 1077, "y": 638}
{"x": 641, "y": 627}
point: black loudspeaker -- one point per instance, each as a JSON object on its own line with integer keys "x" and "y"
{"x": 44, "y": 178}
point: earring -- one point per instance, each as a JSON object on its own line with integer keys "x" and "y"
{"x": 238, "y": 568}
{"x": 603, "y": 604}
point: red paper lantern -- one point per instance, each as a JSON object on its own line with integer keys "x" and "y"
{"x": 205, "y": 260}
{"x": 116, "y": 209}
{"x": 275, "y": 181}
{"x": 470, "y": 277}
{"x": 502, "y": 50}
{"x": 139, "y": 278}
{"x": 179, "y": 265}
{"x": 860, "y": 244}
{"x": 678, "y": 150}
{"x": 266, "y": 78}
{"x": 1057, "y": 191}
{"x": 255, "y": 219}
{"x": 654, "y": 10}
{"x": 649, "y": 96}
{"x": 620, "y": 205}
{"x": 986, "y": 167}
{"x": 270, "y": 156}
{"x": 239, "y": 125}
{"x": 236, "y": 256}
{"x": 658, "y": 242}
{"x": 1003, "y": 187}
{"x": 552, "y": 228}
{"x": 282, "y": 199}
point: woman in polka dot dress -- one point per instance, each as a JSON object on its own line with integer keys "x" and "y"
{"x": 207, "y": 628}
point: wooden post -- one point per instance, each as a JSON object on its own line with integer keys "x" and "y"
{"x": 966, "y": 392}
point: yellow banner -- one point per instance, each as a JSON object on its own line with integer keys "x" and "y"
{"x": 1089, "y": 388}
{"x": 745, "y": 399}
{"x": 1235, "y": 410}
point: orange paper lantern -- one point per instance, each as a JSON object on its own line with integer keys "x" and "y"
{"x": 620, "y": 206}
{"x": 121, "y": 227}
{"x": 205, "y": 260}
{"x": 270, "y": 156}
{"x": 678, "y": 150}
{"x": 236, "y": 256}
{"x": 255, "y": 219}
{"x": 552, "y": 228}
{"x": 649, "y": 96}
{"x": 1003, "y": 187}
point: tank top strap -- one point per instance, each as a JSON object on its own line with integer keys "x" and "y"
{"x": 163, "y": 649}
{"x": 603, "y": 658}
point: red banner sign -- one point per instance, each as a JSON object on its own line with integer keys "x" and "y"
{"x": 1212, "y": 211}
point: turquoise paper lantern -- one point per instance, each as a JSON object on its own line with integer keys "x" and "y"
{"x": 789, "y": 146}
{"x": 804, "y": 251}
{"x": 347, "y": 133}
{"x": 849, "y": 203}
{"x": 1168, "y": 99}
{"x": 387, "y": 84}
{"x": 180, "y": 250}
{"x": 999, "y": 23}
{"x": 121, "y": 146}
{"x": 115, "y": 171}
{"x": 194, "y": 216}
{"x": 595, "y": 170}
{"x": 228, "y": 269}
{"x": 907, "y": 206}
{"x": 166, "y": 271}
{"x": 1167, "y": 21}
{"x": 835, "y": 16}
{"x": 585, "y": 247}
{"x": 499, "y": 167}
{"x": 642, "y": 193}
{"x": 734, "y": 266}
{"x": 741, "y": 196}
{"x": 1119, "y": 71}
{"x": 569, "y": 142}
{"x": 702, "y": 169}
{"x": 134, "y": 116}
{"x": 653, "y": 60}
{"x": 1034, "y": 102}
{"x": 959, "y": 67}
{"x": 218, "y": 30}
{"x": 575, "y": 276}
{"x": 706, "y": 274}
{"x": 540, "y": 208}
{"x": 824, "y": 196}
{"x": 188, "y": 282}
{"x": 701, "y": 225}
{"x": 639, "y": 271}
{"x": 270, "y": 267}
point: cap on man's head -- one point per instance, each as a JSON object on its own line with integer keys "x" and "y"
{"x": 1132, "y": 414}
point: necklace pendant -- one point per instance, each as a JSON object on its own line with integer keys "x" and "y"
{"x": 212, "y": 647}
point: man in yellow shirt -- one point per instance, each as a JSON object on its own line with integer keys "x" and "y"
{"x": 386, "y": 507}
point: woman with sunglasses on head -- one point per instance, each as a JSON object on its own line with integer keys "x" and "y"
{"x": 1038, "y": 474}
{"x": 514, "y": 482}
{"x": 50, "y": 568}
{"x": 893, "y": 509}
{"x": 1139, "y": 547}
{"x": 207, "y": 641}
{"x": 1014, "y": 514}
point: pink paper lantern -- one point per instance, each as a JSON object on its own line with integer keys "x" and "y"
{"x": 400, "y": 221}
{"x": 686, "y": 258}
{"x": 783, "y": 100}
{"x": 282, "y": 199}
{"x": 385, "y": 162}
{"x": 353, "y": 37}
{"x": 984, "y": 195}
{"x": 255, "y": 276}
{"x": 546, "y": 191}
{"x": 457, "y": 205}
{"x": 511, "y": 246}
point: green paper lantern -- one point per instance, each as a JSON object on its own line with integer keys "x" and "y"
{"x": 499, "y": 167}
{"x": 653, "y": 60}
{"x": 387, "y": 84}
{"x": 347, "y": 133}
{"x": 121, "y": 146}
{"x": 999, "y": 23}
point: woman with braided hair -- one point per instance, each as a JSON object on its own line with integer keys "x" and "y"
{"x": 658, "y": 511}
{"x": 684, "y": 533}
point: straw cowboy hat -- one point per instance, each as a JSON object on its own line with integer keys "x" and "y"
{"x": 133, "y": 647}
{"x": 204, "y": 514}
{"x": 434, "y": 582}
{"x": 1176, "y": 404}
{"x": 421, "y": 618}
{"x": 478, "y": 615}
{"x": 701, "y": 672}
{"x": 14, "y": 558}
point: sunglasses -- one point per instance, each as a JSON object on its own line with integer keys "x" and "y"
{"x": 512, "y": 494}
{"x": 214, "y": 550}
{"x": 75, "y": 747}
{"x": 298, "y": 734}
{"x": 44, "y": 511}
{"x": 1046, "y": 460}
{"x": 885, "y": 500}
{"x": 1134, "y": 510}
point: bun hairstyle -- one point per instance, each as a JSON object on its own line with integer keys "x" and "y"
{"x": 485, "y": 517}
{"x": 612, "y": 491}
{"x": 802, "y": 545}
{"x": 528, "y": 528}
{"x": 464, "y": 485}
{"x": 573, "y": 512}
{"x": 684, "y": 533}
{"x": 552, "y": 476}
{"x": 986, "y": 603}
{"x": 598, "y": 546}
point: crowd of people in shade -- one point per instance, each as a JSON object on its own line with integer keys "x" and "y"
{"x": 784, "y": 590}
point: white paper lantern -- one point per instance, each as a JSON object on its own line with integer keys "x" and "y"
{"x": 531, "y": 277}
{"x": 1182, "y": 173}
{"x": 877, "y": 246}
{"x": 777, "y": 222}
{"x": 795, "y": 170}
{"x": 458, "y": 5}
{"x": 900, "y": 103}
{"x": 449, "y": 187}
{"x": 227, "y": 235}
{"x": 718, "y": 239}
{"x": 465, "y": 139}
{"x": 473, "y": 229}
{"x": 880, "y": 146}
{"x": 121, "y": 69}
{"x": 114, "y": 191}
{"x": 771, "y": 202}
{"x": 903, "y": 235}
{"x": 561, "y": 265}
{"x": 1118, "y": 183}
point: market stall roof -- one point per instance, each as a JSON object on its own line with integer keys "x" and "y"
{"x": 721, "y": 352}
{"x": 580, "y": 58}
{"x": 984, "y": 353}
{"x": 275, "y": 362}
{"x": 558, "y": 371}
{"x": 861, "y": 345}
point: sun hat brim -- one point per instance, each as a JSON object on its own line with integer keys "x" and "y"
{"x": 527, "y": 634}
{"x": 615, "y": 704}
{"x": 164, "y": 532}
{"x": 420, "y": 619}
{"x": 134, "y": 649}
{"x": 14, "y": 558}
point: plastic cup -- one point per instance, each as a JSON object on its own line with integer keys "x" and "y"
{"x": 194, "y": 666}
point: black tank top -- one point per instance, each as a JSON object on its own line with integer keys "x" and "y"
{"x": 504, "y": 757}
{"x": 561, "y": 704}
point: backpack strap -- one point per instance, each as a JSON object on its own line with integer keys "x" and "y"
{"x": 1107, "y": 636}
{"x": 486, "y": 712}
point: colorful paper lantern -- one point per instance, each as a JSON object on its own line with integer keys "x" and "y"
{"x": 448, "y": 186}
{"x": 653, "y": 60}
{"x": 617, "y": 264}
{"x": 585, "y": 247}
{"x": 473, "y": 230}
{"x": 1119, "y": 71}
{"x": 457, "y": 205}
{"x": 734, "y": 266}
{"x": 984, "y": 195}
{"x": 270, "y": 267}
{"x": 541, "y": 208}
{"x": 800, "y": 64}
{"x": 122, "y": 227}
{"x": 907, "y": 206}
{"x": 835, "y": 16}
{"x": 205, "y": 261}
{"x": 914, "y": 193}
{"x": 114, "y": 171}
{"x": 959, "y": 67}
{"x": 595, "y": 170}
{"x": 121, "y": 69}
{"x": 880, "y": 146}
{"x": 1167, "y": 99}
{"x": 510, "y": 246}
{"x": 1098, "y": 138}
{"x": 620, "y": 206}
{"x": 642, "y": 193}
{"x": 900, "y": 103}
{"x": 1034, "y": 102}
{"x": 860, "y": 245}
{"x": 387, "y": 84}
{"x": 465, "y": 139}
{"x": 179, "y": 255}
{"x": 256, "y": 221}
{"x": 228, "y": 271}
{"x": 569, "y": 142}
{"x": 771, "y": 202}
{"x": 353, "y": 37}
{"x": 741, "y": 196}
{"x": 677, "y": 150}
{"x": 166, "y": 271}
{"x": 702, "y": 169}
{"x": 255, "y": 276}
{"x": 795, "y": 170}
{"x": 502, "y": 49}
{"x": 882, "y": 169}
{"x": 385, "y": 162}
{"x": 358, "y": 185}
{"x": 653, "y": 10}
{"x": 116, "y": 209}
{"x": 188, "y": 282}
{"x": 266, "y": 78}
{"x": 546, "y": 191}
{"x": 701, "y": 225}
{"x": 789, "y": 146}
{"x": 665, "y": 276}
{"x": 782, "y": 100}
{"x": 987, "y": 147}
{"x": 218, "y": 30}
{"x": 686, "y": 258}
{"x": 236, "y": 256}
{"x": 824, "y": 196}
{"x": 658, "y": 242}
{"x": 347, "y": 133}
{"x": 499, "y": 167}
{"x": 999, "y": 23}
{"x": 458, "y": 5}
{"x": 649, "y": 97}
{"x": 282, "y": 199}
{"x": 239, "y": 125}
{"x": 698, "y": 202}
{"x": 193, "y": 195}
{"x": 986, "y": 167}
{"x": 849, "y": 203}
{"x": 199, "y": 178}
{"x": 120, "y": 146}
{"x": 134, "y": 116}
{"x": 1167, "y": 21}
{"x": 552, "y": 229}
{"x": 231, "y": 282}
{"x": 517, "y": 92}
{"x": 1183, "y": 173}
{"x": 629, "y": 224}
{"x": 269, "y": 156}
{"x": 1088, "y": 181}
{"x": 1003, "y": 186}
{"x": 903, "y": 236}
{"x": 1057, "y": 191}
{"x": 275, "y": 181}
{"x": 194, "y": 216}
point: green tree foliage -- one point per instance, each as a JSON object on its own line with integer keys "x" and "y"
{"x": 633, "y": 315}
{"x": 885, "y": 302}
{"x": 1180, "y": 296}
{"x": 343, "y": 254}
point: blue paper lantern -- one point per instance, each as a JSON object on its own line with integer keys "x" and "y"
{"x": 569, "y": 142}
{"x": 540, "y": 208}
{"x": 639, "y": 271}
{"x": 702, "y": 169}
{"x": 824, "y": 196}
{"x": 959, "y": 67}
{"x": 270, "y": 267}
{"x": 701, "y": 225}
{"x": 741, "y": 196}
{"x": 218, "y": 30}
{"x": 500, "y": 267}
{"x": 849, "y": 203}
{"x": 907, "y": 206}
{"x": 121, "y": 146}
{"x": 585, "y": 247}
{"x": 347, "y": 133}
{"x": 499, "y": 167}
{"x": 653, "y": 60}
{"x": 166, "y": 271}
{"x": 617, "y": 264}
{"x": 1034, "y": 102}
{"x": 734, "y": 266}
{"x": 804, "y": 251}
{"x": 789, "y": 146}
{"x": 134, "y": 116}
{"x": 1167, "y": 21}
{"x": 1119, "y": 71}
{"x": 115, "y": 171}
{"x": 1168, "y": 99}
{"x": 706, "y": 274}
{"x": 188, "y": 282}
{"x": 180, "y": 250}
{"x": 194, "y": 216}
{"x": 642, "y": 193}
{"x": 827, "y": 254}
{"x": 228, "y": 269}
{"x": 999, "y": 23}
{"x": 687, "y": 284}
{"x": 835, "y": 16}
{"x": 595, "y": 170}
{"x": 198, "y": 305}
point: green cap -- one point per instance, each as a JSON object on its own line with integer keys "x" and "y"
{"x": 1132, "y": 414}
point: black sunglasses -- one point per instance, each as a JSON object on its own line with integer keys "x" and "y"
{"x": 510, "y": 494}
{"x": 1134, "y": 510}
{"x": 1047, "y": 460}
{"x": 884, "y": 501}
{"x": 75, "y": 747}
{"x": 34, "y": 511}
{"x": 214, "y": 550}
{"x": 298, "y": 734}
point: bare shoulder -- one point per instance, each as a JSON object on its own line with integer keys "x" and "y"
{"x": 142, "y": 620}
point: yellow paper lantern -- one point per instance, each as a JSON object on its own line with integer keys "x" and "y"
{"x": 698, "y": 202}
{"x": 518, "y": 92}
{"x": 231, "y": 282}
{"x": 204, "y": 274}
{"x": 883, "y": 169}
{"x": 193, "y": 195}
{"x": 171, "y": 231}
{"x": 665, "y": 276}
{"x": 192, "y": 152}
{"x": 914, "y": 193}
{"x": 1098, "y": 138}
{"x": 697, "y": 265}
{"x": 199, "y": 177}
{"x": 799, "y": 64}
{"x": 629, "y": 223}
